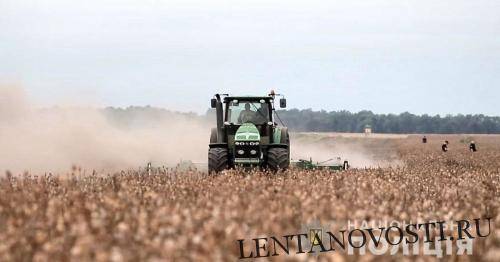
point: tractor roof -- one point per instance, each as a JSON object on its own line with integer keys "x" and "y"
{"x": 229, "y": 98}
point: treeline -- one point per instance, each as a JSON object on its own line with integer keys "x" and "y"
{"x": 407, "y": 123}
{"x": 323, "y": 121}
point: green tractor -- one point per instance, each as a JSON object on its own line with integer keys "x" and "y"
{"x": 247, "y": 135}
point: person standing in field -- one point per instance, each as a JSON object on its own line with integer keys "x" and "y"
{"x": 472, "y": 146}
{"x": 424, "y": 140}
{"x": 444, "y": 147}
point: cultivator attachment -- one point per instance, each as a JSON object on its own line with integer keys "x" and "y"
{"x": 334, "y": 164}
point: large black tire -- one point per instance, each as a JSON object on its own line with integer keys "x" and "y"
{"x": 217, "y": 160}
{"x": 278, "y": 159}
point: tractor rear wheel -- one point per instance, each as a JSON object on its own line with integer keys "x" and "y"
{"x": 278, "y": 159}
{"x": 217, "y": 160}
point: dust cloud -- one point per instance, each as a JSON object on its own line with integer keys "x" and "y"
{"x": 56, "y": 139}
{"x": 361, "y": 152}
{"x": 60, "y": 138}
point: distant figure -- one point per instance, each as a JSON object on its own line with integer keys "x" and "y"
{"x": 424, "y": 140}
{"x": 472, "y": 146}
{"x": 444, "y": 147}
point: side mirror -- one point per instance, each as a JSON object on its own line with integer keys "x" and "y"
{"x": 213, "y": 103}
{"x": 282, "y": 103}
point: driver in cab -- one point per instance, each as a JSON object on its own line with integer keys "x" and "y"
{"x": 246, "y": 115}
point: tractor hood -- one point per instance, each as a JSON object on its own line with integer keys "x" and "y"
{"x": 247, "y": 132}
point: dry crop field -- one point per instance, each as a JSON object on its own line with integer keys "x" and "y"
{"x": 182, "y": 216}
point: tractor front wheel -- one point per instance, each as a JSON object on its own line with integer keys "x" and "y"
{"x": 277, "y": 159}
{"x": 217, "y": 160}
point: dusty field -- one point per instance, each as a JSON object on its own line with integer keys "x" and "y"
{"x": 167, "y": 215}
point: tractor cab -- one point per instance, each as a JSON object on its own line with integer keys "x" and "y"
{"x": 247, "y": 113}
{"x": 240, "y": 110}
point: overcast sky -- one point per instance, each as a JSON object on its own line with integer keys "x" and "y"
{"x": 421, "y": 56}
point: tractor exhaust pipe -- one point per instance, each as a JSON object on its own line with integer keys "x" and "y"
{"x": 220, "y": 119}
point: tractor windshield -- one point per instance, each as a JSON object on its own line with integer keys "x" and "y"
{"x": 256, "y": 112}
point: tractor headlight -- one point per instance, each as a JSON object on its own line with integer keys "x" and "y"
{"x": 253, "y": 152}
{"x": 241, "y": 152}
